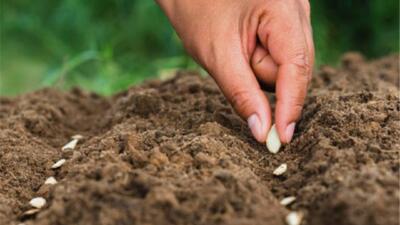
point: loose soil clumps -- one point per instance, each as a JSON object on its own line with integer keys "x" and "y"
{"x": 174, "y": 152}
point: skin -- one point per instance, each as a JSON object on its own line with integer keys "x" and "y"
{"x": 246, "y": 44}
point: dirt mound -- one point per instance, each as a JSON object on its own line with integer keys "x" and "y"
{"x": 174, "y": 152}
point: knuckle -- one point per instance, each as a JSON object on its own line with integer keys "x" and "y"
{"x": 297, "y": 109}
{"x": 241, "y": 100}
{"x": 302, "y": 61}
{"x": 296, "y": 104}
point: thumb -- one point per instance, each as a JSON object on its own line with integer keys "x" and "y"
{"x": 235, "y": 78}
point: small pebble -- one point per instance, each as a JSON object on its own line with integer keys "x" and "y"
{"x": 51, "y": 180}
{"x": 280, "y": 169}
{"x": 294, "y": 218}
{"x": 273, "y": 141}
{"x": 58, "y": 164}
{"x": 288, "y": 200}
{"x": 70, "y": 145}
{"x": 38, "y": 202}
{"x": 77, "y": 137}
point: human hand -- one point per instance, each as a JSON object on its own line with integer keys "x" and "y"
{"x": 241, "y": 43}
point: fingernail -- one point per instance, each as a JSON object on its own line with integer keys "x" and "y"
{"x": 254, "y": 123}
{"x": 289, "y": 132}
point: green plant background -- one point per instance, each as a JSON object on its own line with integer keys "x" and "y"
{"x": 108, "y": 45}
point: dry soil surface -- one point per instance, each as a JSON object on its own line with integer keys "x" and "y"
{"x": 174, "y": 152}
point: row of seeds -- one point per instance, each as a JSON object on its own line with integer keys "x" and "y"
{"x": 273, "y": 144}
{"x": 39, "y": 202}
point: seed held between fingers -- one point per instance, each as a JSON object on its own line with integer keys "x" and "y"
{"x": 273, "y": 141}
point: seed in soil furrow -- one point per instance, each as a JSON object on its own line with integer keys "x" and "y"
{"x": 51, "y": 180}
{"x": 58, "y": 164}
{"x": 294, "y": 218}
{"x": 288, "y": 200}
{"x": 280, "y": 169}
{"x": 38, "y": 202}
{"x": 70, "y": 145}
{"x": 77, "y": 137}
{"x": 273, "y": 141}
{"x": 30, "y": 212}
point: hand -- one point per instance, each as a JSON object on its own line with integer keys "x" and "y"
{"x": 242, "y": 42}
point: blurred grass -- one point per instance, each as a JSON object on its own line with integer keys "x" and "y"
{"x": 106, "y": 46}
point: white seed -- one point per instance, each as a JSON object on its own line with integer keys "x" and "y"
{"x": 288, "y": 200}
{"x": 280, "y": 169}
{"x": 273, "y": 141}
{"x": 70, "y": 145}
{"x": 51, "y": 180}
{"x": 294, "y": 218}
{"x": 37, "y": 202}
{"x": 31, "y": 212}
{"x": 77, "y": 137}
{"x": 58, "y": 164}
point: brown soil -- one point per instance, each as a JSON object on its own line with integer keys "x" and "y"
{"x": 174, "y": 152}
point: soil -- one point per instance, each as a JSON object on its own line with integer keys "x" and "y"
{"x": 174, "y": 152}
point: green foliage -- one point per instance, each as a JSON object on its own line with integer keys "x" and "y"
{"x": 367, "y": 26}
{"x": 105, "y": 45}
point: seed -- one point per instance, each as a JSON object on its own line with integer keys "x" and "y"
{"x": 70, "y": 145}
{"x": 294, "y": 218}
{"x": 37, "y": 202}
{"x": 273, "y": 142}
{"x": 58, "y": 164}
{"x": 30, "y": 212}
{"x": 280, "y": 169}
{"x": 288, "y": 200}
{"x": 51, "y": 180}
{"x": 77, "y": 137}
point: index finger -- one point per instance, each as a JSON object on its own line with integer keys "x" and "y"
{"x": 287, "y": 44}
